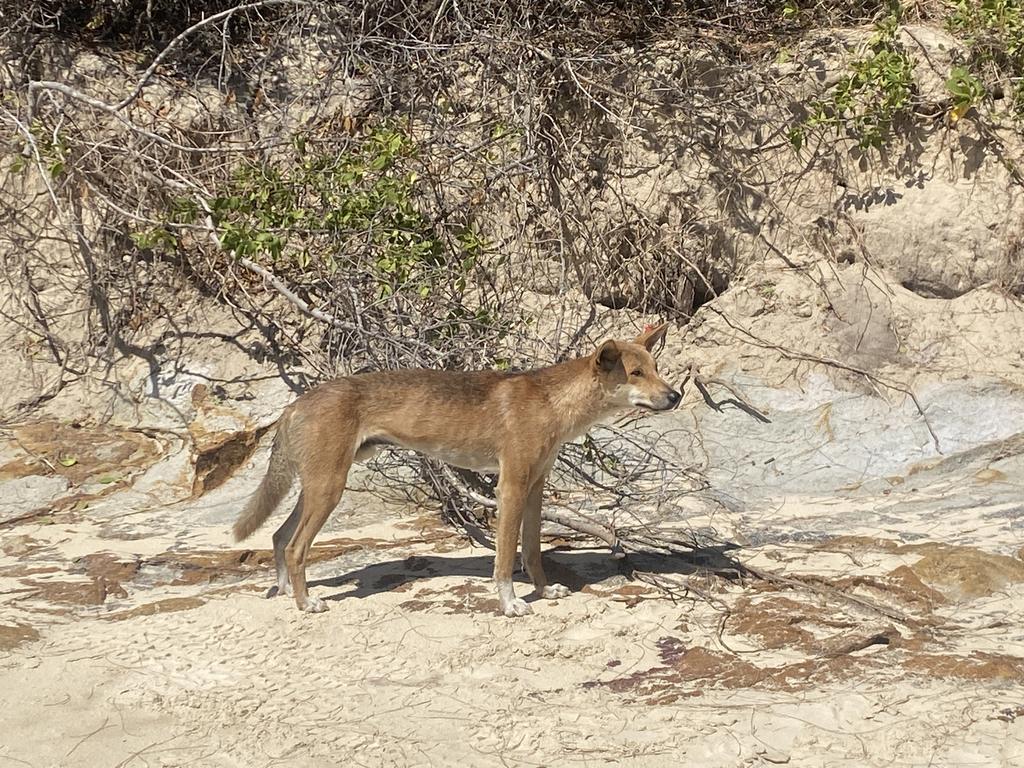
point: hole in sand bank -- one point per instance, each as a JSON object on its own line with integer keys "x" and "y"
{"x": 646, "y": 269}
{"x": 931, "y": 289}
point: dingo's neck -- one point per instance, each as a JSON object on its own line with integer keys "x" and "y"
{"x": 575, "y": 392}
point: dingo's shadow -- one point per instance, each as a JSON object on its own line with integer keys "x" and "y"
{"x": 573, "y": 567}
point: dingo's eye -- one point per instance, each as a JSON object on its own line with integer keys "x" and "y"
{"x": 638, "y": 373}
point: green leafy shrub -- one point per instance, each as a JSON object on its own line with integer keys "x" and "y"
{"x": 865, "y": 103}
{"x": 993, "y": 31}
{"x": 323, "y": 211}
{"x": 966, "y": 89}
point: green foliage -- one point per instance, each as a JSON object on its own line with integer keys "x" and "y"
{"x": 328, "y": 211}
{"x": 155, "y": 239}
{"x": 53, "y": 150}
{"x": 993, "y": 31}
{"x": 864, "y": 103}
{"x": 996, "y": 24}
{"x": 52, "y": 147}
{"x": 966, "y": 89}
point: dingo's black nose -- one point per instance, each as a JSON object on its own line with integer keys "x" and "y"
{"x": 674, "y": 398}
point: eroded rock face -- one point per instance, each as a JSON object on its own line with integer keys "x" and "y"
{"x": 941, "y": 207}
{"x": 222, "y": 439}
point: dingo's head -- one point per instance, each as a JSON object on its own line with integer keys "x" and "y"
{"x": 630, "y": 375}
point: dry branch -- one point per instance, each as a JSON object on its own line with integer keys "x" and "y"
{"x": 702, "y": 383}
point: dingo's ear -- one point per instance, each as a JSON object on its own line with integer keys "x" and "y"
{"x": 607, "y": 356}
{"x": 651, "y": 336}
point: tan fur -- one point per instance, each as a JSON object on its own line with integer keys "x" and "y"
{"x": 274, "y": 487}
{"x": 487, "y": 421}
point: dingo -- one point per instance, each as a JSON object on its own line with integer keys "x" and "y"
{"x": 486, "y": 421}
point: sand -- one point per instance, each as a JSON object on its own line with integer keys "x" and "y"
{"x": 134, "y": 633}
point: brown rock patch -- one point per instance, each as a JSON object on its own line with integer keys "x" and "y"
{"x": 978, "y": 666}
{"x": 964, "y": 572}
{"x": 776, "y": 621}
{"x": 27, "y": 570}
{"x": 167, "y": 605}
{"x": 72, "y": 592}
{"x": 688, "y": 671}
{"x": 910, "y": 587}
{"x": 467, "y": 598}
{"x": 13, "y": 635}
{"x": 630, "y": 594}
{"x": 20, "y": 545}
{"x": 104, "y": 574}
{"x": 944, "y": 571}
{"x": 80, "y": 453}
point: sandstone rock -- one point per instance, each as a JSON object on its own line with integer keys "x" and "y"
{"x": 951, "y": 231}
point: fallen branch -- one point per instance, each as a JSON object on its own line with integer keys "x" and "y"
{"x": 588, "y": 528}
{"x": 702, "y": 383}
{"x": 818, "y": 585}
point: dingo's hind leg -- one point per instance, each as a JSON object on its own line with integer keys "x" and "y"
{"x": 282, "y": 536}
{"x": 321, "y": 492}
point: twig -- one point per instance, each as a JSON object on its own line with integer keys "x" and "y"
{"x": 212, "y": 19}
{"x": 279, "y": 285}
{"x": 67, "y": 90}
{"x": 702, "y": 382}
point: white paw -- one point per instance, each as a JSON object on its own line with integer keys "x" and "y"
{"x": 555, "y": 591}
{"x": 517, "y": 607}
{"x": 315, "y": 605}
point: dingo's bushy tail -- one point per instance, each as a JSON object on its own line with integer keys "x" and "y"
{"x": 275, "y": 485}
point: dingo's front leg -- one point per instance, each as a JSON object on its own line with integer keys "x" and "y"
{"x": 531, "y": 546}
{"x": 512, "y": 492}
